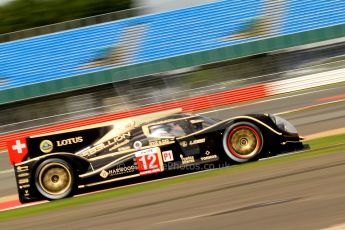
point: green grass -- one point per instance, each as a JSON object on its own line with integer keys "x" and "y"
{"x": 321, "y": 146}
{"x": 327, "y": 141}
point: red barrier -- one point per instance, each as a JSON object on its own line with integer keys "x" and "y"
{"x": 187, "y": 105}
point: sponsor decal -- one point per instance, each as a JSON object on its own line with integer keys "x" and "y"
{"x": 168, "y": 156}
{"x": 46, "y": 146}
{"x": 149, "y": 161}
{"x": 93, "y": 150}
{"x": 151, "y": 171}
{"x": 22, "y": 168}
{"x": 121, "y": 170}
{"x": 118, "y": 145}
{"x": 70, "y": 141}
{"x": 210, "y": 157}
{"x": 187, "y": 160}
{"x": 117, "y": 171}
{"x": 23, "y": 175}
{"x": 193, "y": 142}
{"x": 104, "y": 174}
{"x": 23, "y": 181}
{"x": 198, "y": 141}
{"x": 26, "y": 193}
{"x": 24, "y": 186}
{"x": 161, "y": 142}
{"x": 150, "y": 151}
{"x": 114, "y": 142}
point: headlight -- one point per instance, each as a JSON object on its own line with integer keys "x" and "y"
{"x": 283, "y": 124}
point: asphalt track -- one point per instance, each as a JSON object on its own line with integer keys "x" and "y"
{"x": 306, "y": 195}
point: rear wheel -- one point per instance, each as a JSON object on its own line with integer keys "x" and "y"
{"x": 55, "y": 179}
{"x": 242, "y": 142}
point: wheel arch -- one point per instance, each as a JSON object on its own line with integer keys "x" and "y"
{"x": 267, "y": 131}
{"x": 271, "y": 137}
{"x": 76, "y": 164}
{"x": 79, "y": 164}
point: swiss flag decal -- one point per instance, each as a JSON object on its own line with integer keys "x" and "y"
{"x": 17, "y": 149}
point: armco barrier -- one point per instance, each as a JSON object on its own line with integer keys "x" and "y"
{"x": 200, "y": 102}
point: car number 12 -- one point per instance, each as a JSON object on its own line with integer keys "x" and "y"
{"x": 148, "y": 161}
{"x": 152, "y": 159}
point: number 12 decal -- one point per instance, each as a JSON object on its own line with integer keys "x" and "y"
{"x": 152, "y": 159}
{"x": 149, "y": 161}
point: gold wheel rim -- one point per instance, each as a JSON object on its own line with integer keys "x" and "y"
{"x": 244, "y": 142}
{"x": 55, "y": 179}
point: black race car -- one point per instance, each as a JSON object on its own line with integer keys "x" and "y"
{"x": 54, "y": 166}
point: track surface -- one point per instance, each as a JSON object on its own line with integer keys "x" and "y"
{"x": 304, "y": 200}
{"x": 306, "y": 194}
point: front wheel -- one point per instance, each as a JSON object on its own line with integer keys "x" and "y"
{"x": 55, "y": 179}
{"x": 243, "y": 142}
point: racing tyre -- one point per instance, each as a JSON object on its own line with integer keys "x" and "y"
{"x": 55, "y": 179}
{"x": 243, "y": 142}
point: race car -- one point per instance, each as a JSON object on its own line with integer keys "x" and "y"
{"x": 57, "y": 165}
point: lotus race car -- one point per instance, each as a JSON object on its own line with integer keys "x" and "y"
{"x": 54, "y": 166}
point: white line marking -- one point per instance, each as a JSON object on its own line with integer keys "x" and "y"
{"x": 269, "y": 100}
{"x": 224, "y": 211}
{"x": 185, "y": 218}
{"x": 310, "y": 107}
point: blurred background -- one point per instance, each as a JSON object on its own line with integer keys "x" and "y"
{"x": 64, "y": 61}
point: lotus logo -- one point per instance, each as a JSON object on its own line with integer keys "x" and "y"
{"x": 46, "y": 146}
